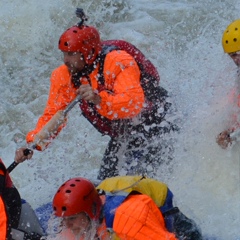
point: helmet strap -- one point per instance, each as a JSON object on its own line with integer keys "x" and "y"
{"x": 84, "y": 73}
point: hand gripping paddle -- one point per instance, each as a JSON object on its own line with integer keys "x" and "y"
{"x": 41, "y": 139}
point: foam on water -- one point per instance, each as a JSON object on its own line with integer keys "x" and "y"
{"x": 183, "y": 39}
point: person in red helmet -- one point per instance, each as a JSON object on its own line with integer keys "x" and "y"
{"x": 231, "y": 46}
{"x": 129, "y": 207}
{"x": 78, "y": 204}
{"x": 118, "y": 97}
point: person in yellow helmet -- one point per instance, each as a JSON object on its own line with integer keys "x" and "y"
{"x": 231, "y": 46}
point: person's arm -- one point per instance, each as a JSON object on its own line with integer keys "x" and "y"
{"x": 60, "y": 94}
{"x": 138, "y": 217}
{"x": 124, "y": 97}
{"x": 227, "y": 137}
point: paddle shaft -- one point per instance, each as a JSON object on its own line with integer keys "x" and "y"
{"x": 52, "y": 126}
{"x": 71, "y": 105}
{"x": 234, "y": 135}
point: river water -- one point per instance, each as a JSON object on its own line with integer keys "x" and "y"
{"x": 183, "y": 40}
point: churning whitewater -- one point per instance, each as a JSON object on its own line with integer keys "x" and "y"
{"x": 183, "y": 39}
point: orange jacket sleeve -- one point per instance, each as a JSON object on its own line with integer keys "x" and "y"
{"x": 60, "y": 95}
{"x": 124, "y": 97}
{"x": 139, "y": 218}
{"x": 3, "y": 220}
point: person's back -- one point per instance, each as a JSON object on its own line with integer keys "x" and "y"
{"x": 138, "y": 217}
{"x": 118, "y": 192}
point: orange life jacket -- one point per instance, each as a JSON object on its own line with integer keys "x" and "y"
{"x": 139, "y": 218}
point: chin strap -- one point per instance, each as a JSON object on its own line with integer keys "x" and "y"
{"x": 84, "y": 73}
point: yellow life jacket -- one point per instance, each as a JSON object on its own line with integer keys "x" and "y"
{"x": 126, "y": 184}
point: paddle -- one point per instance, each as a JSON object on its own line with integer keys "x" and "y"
{"x": 235, "y": 135}
{"x": 50, "y": 128}
{"x": 14, "y": 164}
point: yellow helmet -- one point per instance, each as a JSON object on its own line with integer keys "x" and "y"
{"x": 231, "y": 37}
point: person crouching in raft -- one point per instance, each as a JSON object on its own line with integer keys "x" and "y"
{"x": 123, "y": 207}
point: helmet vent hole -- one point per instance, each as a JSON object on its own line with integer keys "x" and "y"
{"x": 235, "y": 39}
{"x": 236, "y": 29}
{"x": 75, "y": 31}
{"x": 68, "y": 191}
{"x": 66, "y": 44}
{"x": 64, "y": 209}
{"x": 226, "y": 41}
{"x": 72, "y": 185}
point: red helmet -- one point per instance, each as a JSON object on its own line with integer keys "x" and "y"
{"x": 84, "y": 39}
{"x": 77, "y": 195}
